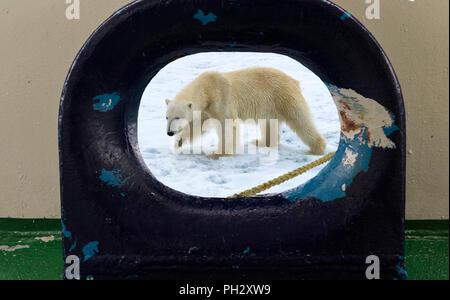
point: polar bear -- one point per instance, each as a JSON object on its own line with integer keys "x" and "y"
{"x": 256, "y": 93}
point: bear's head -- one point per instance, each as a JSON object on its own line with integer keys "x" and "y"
{"x": 179, "y": 115}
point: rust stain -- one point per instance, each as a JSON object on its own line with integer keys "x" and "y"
{"x": 347, "y": 124}
{"x": 368, "y": 136}
{"x": 347, "y": 106}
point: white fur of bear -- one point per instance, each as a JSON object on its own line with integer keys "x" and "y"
{"x": 254, "y": 93}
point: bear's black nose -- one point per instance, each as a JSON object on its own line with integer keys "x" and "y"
{"x": 170, "y": 133}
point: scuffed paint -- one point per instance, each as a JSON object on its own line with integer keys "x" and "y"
{"x": 205, "y": 19}
{"x": 365, "y": 125}
{"x": 90, "y": 250}
{"x": 358, "y": 113}
{"x": 14, "y": 248}
{"x": 113, "y": 178}
{"x": 106, "y": 102}
{"x": 350, "y": 157}
{"x": 45, "y": 239}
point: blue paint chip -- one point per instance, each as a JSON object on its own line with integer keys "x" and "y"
{"x": 106, "y": 102}
{"x": 65, "y": 232}
{"x": 113, "y": 178}
{"x": 346, "y": 15}
{"x": 90, "y": 250}
{"x": 401, "y": 271}
{"x": 73, "y": 246}
{"x": 205, "y": 19}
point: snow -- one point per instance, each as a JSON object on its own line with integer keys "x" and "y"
{"x": 200, "y": 176}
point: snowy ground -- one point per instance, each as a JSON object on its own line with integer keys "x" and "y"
{"x": 198, "y": 175}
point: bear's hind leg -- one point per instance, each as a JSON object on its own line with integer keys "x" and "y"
{"x": 308, "y": 133}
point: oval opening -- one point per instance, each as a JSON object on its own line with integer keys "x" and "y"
{"x": 194, "y": 169}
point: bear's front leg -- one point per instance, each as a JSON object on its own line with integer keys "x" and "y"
{"x": 229, "y": 141}
{"x": 182, "y": 138}
{"x": 178, "y": 142}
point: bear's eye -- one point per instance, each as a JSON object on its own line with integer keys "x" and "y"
{"x": 167, "y": 118}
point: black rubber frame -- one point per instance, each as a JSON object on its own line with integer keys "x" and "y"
{"x": 135, "y": 227}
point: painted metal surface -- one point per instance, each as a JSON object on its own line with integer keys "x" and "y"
{"x": 122, "y": 222}
{"x": 426, "y": 250}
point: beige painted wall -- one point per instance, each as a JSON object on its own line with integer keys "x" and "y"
{"x": 38, "y": 44}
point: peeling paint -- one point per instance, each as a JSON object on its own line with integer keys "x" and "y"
{"x": 106, "y": 102}
{"x": 90, "y": 250}
{"x": 358, "y": 112}
{"x": 113, "y": 178}
{"x": 14, "y": 248}
{"x": 205, "y": 19}
{"x": 45, "y": 239}
{"x": 350, "y": 157}
{"x": 365, "y": 125}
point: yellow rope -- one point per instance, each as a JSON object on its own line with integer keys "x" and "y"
{"x": 285, "y": 177}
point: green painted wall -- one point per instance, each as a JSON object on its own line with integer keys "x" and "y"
{"x": 427, "y": 250}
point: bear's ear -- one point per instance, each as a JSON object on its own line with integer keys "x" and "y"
{"x": 190, "y": 105}
{"x": 167, "y": 101}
